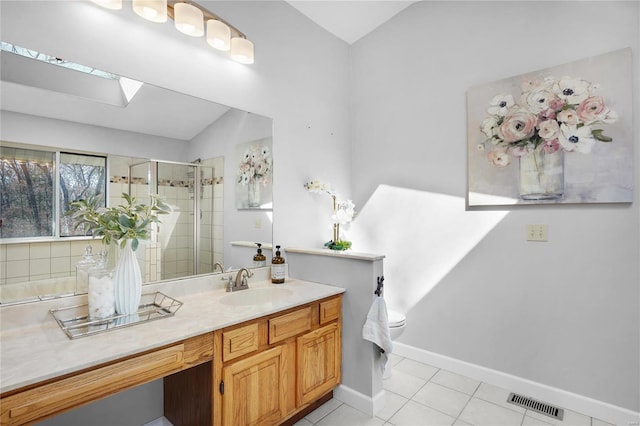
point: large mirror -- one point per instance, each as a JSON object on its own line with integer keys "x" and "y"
{"x": 190, "y": 151}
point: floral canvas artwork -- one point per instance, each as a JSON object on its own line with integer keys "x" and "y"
{"x": 254, "y": 175}
{"x": 559, "y": 135}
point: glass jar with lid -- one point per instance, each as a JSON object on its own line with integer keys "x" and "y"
{"x": 101, "y": 291}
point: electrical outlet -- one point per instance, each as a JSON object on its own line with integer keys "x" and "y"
{"x": 536, "y": 232}
{"x": 258, "y": 224}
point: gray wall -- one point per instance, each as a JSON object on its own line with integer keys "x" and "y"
{"x": 563, "y": 313}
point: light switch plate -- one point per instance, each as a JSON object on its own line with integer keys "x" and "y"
{"x": 536, "y": 232}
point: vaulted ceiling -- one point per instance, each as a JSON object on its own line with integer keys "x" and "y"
{"x": 350, "y": 20}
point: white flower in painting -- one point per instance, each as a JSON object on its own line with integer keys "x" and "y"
{"x": 610, "y": 118}
{"x": 548, "y": 129}
{"x": 537, "y": 100}
{"x": 572, "y": 90}
{"x": 569, "y": 117}
{"x": 573, "y": 138}
{"x": 500, "y": 104}
{"x": 489, "y": 126}
{"x": 499, "y": 157}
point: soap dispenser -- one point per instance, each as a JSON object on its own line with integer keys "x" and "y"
{"x": 259, "y": 259}
{"x": 277, "y": 268}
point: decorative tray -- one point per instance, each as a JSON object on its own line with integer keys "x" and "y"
{"x": 75, "y": 321}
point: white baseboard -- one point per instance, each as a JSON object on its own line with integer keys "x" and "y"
{"x": 360, "y": 401}
{"x": 601, "y": 410}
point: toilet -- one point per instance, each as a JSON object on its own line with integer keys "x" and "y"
{"x": 397, "y": 323}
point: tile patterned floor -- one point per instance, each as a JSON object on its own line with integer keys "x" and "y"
{"x": 419, "y": 394}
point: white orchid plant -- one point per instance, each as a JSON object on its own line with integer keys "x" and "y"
{"x": 552, "y": 115}
{"x": 343, "y": 212}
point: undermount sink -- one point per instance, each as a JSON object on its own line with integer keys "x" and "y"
{"x": 256, "y": 296}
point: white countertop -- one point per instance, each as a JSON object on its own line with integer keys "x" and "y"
{"x": 33, "y": 348}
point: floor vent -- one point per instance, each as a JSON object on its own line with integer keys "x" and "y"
{"x": 537, "y": 406}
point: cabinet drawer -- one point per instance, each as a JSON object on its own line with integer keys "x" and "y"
{"x": 330, "y": 310}
{"x": 54, "y": 397}
{"x": 239, "y": 341}
{"x": 288, "y": 325}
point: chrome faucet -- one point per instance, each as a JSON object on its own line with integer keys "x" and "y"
{"x": 218, "y": 265}
{"x": 241, "y": 279}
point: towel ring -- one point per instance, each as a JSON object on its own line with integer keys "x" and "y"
{"x": 378, "y": 291}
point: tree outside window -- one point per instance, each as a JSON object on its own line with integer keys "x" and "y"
{"x": 81, "y": 177}
{"x": 27, "y": 190}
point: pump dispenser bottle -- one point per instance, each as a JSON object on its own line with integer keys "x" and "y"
{"x": 277, "y": 268}
{"x": 259, "y": 259}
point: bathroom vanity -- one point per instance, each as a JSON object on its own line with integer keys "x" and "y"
{"x": 260, "y": 356}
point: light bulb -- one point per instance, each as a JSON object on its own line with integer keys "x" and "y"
{"x": 151, "y": 10}
{"x": 218, "y": 35}
{"x": 242, "y": 50}
{"x": 188, "y": 19}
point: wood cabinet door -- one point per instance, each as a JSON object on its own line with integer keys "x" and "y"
{"x": 253, "y": 389}
{"x": 318, "y": 363}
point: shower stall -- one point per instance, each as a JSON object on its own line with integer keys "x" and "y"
{"x": 185, "y": 240}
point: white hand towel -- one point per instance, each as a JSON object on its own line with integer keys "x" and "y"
{"x": 376, "y": 329}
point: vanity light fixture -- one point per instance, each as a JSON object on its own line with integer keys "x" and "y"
{"x": 191, "y": 19}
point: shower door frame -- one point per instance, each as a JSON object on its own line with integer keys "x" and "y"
{"x": 197, "y": 208}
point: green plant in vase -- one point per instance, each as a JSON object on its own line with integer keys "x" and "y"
{"x": 125, "y": 224}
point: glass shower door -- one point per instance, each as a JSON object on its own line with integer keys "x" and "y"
{"x": 176, "y": 188}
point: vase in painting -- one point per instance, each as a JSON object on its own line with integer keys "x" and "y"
{"x": 254, "y": 194}
{"x": 541, "y": 175}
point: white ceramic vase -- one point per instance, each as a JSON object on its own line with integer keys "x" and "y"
{"x": 127, "y": 281}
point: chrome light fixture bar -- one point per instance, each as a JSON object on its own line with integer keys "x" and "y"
{"x": 192, "y": 19}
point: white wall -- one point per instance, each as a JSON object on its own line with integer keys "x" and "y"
{"x": 35, "y": 130}
{"x": 220, "y": 139}
{"x": 563, "y": 313}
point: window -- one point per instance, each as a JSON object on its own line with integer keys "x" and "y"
{"x": 29, "y": 206}
{"x": 81, "y": 177}
{"x": 26, "y": 188}
{"x": 33, "y": 54}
